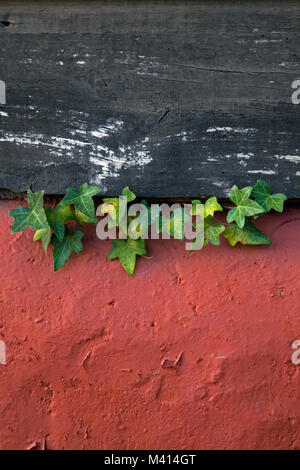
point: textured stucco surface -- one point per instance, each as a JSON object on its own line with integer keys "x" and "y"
{"x": 87, "y": 347}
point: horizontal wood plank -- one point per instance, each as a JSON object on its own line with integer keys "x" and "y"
{"x": 174, "y": 99}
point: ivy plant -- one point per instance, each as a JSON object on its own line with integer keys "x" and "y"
{"x": 126, "y": 251}
{"x": 52, "y": 226}
{"x": 244, "y": 206}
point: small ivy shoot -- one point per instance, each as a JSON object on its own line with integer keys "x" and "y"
{"x": 248, "y": 235}
{"x": 126, "y": 251}
{"x": 82, "y": 200}
{"x": 244, "y": 205}
{"x": 261, "y": 192}
{"x": 35, "y": 217}
{"x": 64, "y": 248}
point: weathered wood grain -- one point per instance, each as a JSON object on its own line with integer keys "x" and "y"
{"x": 173, "y": 98}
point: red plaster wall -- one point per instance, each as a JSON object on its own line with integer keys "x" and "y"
{"x": 85, "y": 346}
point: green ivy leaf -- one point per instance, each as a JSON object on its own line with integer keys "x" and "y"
{"x": 44, "y": 235}
{"x": 175, "y": 225}
{"x": 126, "y": 251}
{"x": 265, "y": 199}
{"x": 129, "y": 194}
{"x": 58, "y": 218}
{"x": 82, "y": 200}
{"x": 248, "y": 235}
{"x": 245, "y": 206}
{"x": 35, "y": 218}
{"x": 63, "y": 248}
{"x": 111, "y": 206}
{"x": 82, "y": 218}
{"x": 212, "y": 231}
{"x": 210, "y": 207}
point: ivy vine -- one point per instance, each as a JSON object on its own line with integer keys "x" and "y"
{"x": 51, "y": 226}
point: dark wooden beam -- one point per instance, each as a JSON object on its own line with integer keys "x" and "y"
{"x": 174, "y": 98}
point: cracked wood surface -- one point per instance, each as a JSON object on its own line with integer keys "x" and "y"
{"x": 175, "y": 99}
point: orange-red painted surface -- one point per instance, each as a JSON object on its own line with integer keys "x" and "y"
{"x": 192, "y": 352}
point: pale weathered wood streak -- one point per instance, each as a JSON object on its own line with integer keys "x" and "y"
{"x": 173, "y": 98}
